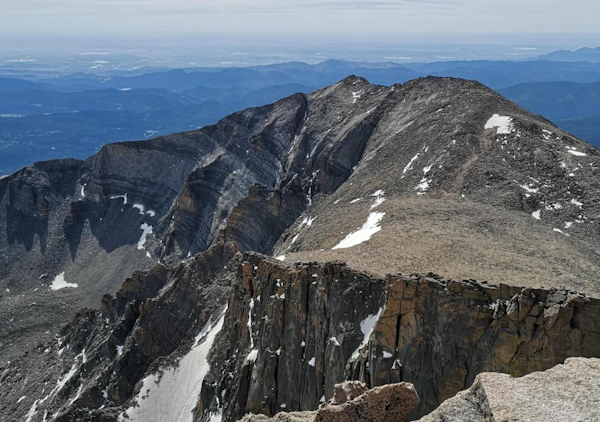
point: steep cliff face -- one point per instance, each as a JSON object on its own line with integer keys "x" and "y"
{"x": 290, "y": 334}
{"x": 224, "y": 335}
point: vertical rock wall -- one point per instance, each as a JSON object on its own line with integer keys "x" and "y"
{"x": 292, "y": 333}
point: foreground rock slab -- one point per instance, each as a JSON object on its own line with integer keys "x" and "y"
{"x": 388, "y": 403}
{"x": 354, "y": 402}
{"x": 568, "y": 392}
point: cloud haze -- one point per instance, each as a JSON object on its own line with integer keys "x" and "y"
{"x": 187, "y": 16}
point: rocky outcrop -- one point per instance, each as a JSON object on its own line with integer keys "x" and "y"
{"x": 293, "y": 333}
{"x": 354, "y": 402}
{"x": 347, "y": 391}
{"x": 388, "y": 403}
{"x": 569, "y": 392}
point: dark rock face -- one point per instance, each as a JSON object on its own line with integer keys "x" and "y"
{"x": 293, "y": 333}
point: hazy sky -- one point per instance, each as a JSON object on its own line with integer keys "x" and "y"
{"x": 181, "y": 16}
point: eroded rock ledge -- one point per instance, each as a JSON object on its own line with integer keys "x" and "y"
{"x": 292, "y": 333}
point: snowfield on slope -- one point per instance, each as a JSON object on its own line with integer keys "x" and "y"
{"x": 173, "y": 396}
{"x": 364, "y": 233}
{"x": 502, "y": 124}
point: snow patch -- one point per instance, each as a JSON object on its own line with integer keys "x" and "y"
{"x": 380, "y": 199}
{"x": 60, "y": 282}
{"x": 217, "y": 416}
{"x": 529, "y": 189}
{"x": 280, "y": 258}
{"x": 536, "y": 214}
{"x": 249, "y": 323}
{"x": 252, "y": 355}
{"x": 576, "y": 202}
{"x": 146, "y": 230}
{"x": 32, "y": 411}
{"x": 312, "y": 362}
{"x": 422, "y": 186}
{"x": 364, "y": 233}
{"x": 573, "y": 151}
{"x": 354, "y": 201}
{"x": 124, "y": 197}
{"x": 502, "y": 124}
{"x": 561, "y": 232}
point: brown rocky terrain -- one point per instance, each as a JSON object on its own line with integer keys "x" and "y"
{"x": 355, "y": 402}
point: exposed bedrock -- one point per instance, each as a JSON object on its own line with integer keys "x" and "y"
{"x": 568, "y": 392}
{"x": 291, "y": 334}
{"x": 387, "y": 403}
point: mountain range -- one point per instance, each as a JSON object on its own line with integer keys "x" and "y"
{"x": 46, "y": 116}
{"x": 424, "y": 232}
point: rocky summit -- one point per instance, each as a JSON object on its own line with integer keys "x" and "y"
{"x": 421, "y": 240}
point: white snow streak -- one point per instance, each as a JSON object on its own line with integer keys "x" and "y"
{"x": 380, "y": 199}
{"x": 422, "y": 186}
{"x": 146, "y": 230}
{"x": 124, "y": 197}
{"x": 364, "y": 233}
{"x": 173, "y": 396}
{"x": 576, "y": 202}
{"x": 410, "y": 163}
{"x": 366, "y": 326}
